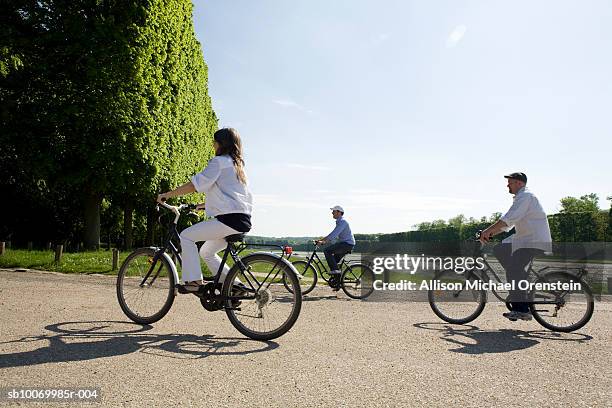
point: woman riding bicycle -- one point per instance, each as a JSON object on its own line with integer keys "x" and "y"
{"x": 228, "y": 199}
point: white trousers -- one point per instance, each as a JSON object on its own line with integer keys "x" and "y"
{"x": 213, "y": 232}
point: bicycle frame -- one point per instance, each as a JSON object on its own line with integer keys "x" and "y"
{"x": 168, "y": 247}
{"x": 318, "y": 263}
{"x": 234, "y": 251}
{"x": 231, "y": 249}
{"x": 483, "y": 275}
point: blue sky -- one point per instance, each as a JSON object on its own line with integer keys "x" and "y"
{"x": 410, "y": 111}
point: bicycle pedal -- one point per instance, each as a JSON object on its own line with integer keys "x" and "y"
{"x": 181, "y": 289}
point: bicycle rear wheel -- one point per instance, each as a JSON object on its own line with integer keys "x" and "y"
{"x": 452, "y": 301}
{"x": 569, "y": 310}
{"x": 308, "y": 281}
{"x": 357, "y": 281}
{"x": 147, "y": 301}
{"x": 264, "y": 301}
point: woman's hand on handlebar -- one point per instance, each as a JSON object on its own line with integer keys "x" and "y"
{"x": 161, "y": 198}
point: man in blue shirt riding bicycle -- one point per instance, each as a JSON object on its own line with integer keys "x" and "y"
{"x": 344, "y": 237}
{"x": 531, "y": 238}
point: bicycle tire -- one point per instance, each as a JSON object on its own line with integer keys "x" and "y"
{"x": 479, "y": 298}
{"x": 308, "y": 272}
{"x": 364, "y": 283}
{"x": 125, "y": 270}
{"x": 541, "y": 314}
{"x": 294, "y": 297}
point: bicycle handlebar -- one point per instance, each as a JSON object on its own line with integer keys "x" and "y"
{"x": 177, "y": 210}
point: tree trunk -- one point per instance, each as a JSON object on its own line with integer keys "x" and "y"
{"x": 92, "y": 221}
{"x": 128, "y": 215}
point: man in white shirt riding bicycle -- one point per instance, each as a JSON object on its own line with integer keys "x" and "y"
{"x": 531, "y": 238}
{"x": 344, "y": 237}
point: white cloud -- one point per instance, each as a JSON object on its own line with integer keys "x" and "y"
{"x": 277, "y": 200}
{"x": 405, "y": 201}
{"x": 373, "y": 200}
{"x": 455, "y": 36}
{"x": 308, "y": 167}
{"x": 383, "y": 36}
{"x": 287, "y": 103}
{"x": 369, "y": 210}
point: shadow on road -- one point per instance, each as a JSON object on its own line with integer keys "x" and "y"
{"x": 80, "y": 341}
{"x": 470, "y": 339}
{"x": 308, "y": 298}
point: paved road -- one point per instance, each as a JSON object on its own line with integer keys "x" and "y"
{"x": 68, "y": 331}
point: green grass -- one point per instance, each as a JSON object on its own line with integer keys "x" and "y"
{"x": 81, "y": 262}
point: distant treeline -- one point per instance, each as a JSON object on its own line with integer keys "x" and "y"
{"x": 580, "y": 220}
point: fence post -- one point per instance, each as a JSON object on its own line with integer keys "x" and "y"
{"x": 30, "y": 245}
{"x": 115, "y": 258}
{"x": 59, "y": 249}
{"x": 8, "y": 244}
{"x": 2, "y": 244}
{"x": 48, "y": 246}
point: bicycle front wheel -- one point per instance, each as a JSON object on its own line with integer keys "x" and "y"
{"x": 452, "y": 301}
{"x": 264, "y": 300}
{"x": 308, "y": 279}
{"x": 145, "y": 301}
{"x": 358, "y": 281}
{"x": 562, "y": 310}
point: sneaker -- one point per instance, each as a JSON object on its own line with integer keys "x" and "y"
{"x": 335, "y": 272}
{"x": 189, "y": 287}
{"x": 514, "y": 315}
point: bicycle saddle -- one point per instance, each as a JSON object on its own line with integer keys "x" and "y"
{"x": 235, "y": 237}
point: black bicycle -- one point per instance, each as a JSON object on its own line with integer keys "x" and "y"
{"x": 356, "y": 279}
{"x": 261, "y": 293}
{"x": 459, "y": 300}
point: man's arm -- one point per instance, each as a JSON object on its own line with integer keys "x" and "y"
{"x": 517, "y": 211}
{"x": 497, "y": 228}
{"x": 334, "y": 234}
{"x": 177, "y": 192}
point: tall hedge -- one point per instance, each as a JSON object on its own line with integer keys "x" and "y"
{"x": 101, "y": 99}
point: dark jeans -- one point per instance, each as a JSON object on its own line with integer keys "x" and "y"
{"x": 335, "y": 252}
{"x": 515, "y": 264}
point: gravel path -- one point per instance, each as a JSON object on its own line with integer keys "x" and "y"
{"x": 68, "y": 331}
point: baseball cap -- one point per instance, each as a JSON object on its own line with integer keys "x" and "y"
{"x": 337, "y": 208}
{"x": 517, "y": 176}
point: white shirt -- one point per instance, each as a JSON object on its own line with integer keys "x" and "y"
{"x": 529, "y": 220}
{"x": 225, "y": 194}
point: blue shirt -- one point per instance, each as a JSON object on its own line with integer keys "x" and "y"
{"x": 342, "y": 232}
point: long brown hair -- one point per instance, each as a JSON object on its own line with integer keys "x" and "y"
{"x": 230, "y": 144}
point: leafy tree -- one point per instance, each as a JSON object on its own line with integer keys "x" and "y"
{"x": 100, "y": 99}
{"x": 457, "y": 221}
{"x": 586, "y": 203}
